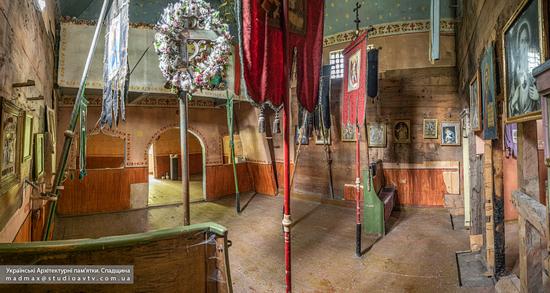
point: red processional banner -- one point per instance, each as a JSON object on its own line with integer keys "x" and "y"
{"x": 355, "y": 86}
{"x": 262, "y": 49}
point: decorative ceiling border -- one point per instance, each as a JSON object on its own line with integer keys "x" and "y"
{"x": 389, "y": 29}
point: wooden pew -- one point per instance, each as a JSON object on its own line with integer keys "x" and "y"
{"x": 182, "y": 259}
{"x": 379, "y": 201}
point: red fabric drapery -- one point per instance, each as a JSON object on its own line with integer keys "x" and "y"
{"x": 355, "y": 81}
{"x": 262, "y": 47}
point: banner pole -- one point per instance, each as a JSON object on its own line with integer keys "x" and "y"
{"x": 287, "y": 221}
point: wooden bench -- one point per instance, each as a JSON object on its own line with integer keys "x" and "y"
{"x": 379, "y": 201}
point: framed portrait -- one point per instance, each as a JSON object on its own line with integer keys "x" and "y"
{"x": 475, "y": 103}
{"x": 376, "y": 134}
{"x": 348, "y": 132}
{"x": 488, "y": 93}
{"x": 51, "y": 125}
{"x": 10, "y": 145}
{"x": 429, "y": 128}
{"x": 523, "y": 47}
{"x": 322, "y": 137}
{"x": 450, "y": 133}
{"x": 27, "y": 137}
{"x": 38, "y": 155}
{"x": 301, "y": 138}
{"x": 354, "y": 71}
{"x": 402, "y": 131}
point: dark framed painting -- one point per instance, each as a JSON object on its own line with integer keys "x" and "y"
{"x": 376, "y": 134}
{"x": 475, "y": 103}
{"x": 450, "y": 133}
{"x": 488, "y": 93}
{"x": 39, "y": 155}
{"x": 402, "y": 131}
{"x": 523, "y": 45}
{"x": 27, "y": 137}
{"x": 10, "y": 144}
{"x": 429, "y": 128}
{"x": 322, "y": 136}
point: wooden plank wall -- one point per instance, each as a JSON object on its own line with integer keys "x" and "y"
{"x": 105, "y": 190}
{"x": 415, "y": 187}
{"x": 220, "y": 180}
{"x": 412, "y": 94}
{"x": 263, "y": 178}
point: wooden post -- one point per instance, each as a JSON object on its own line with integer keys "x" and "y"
{"x": 489, "y": 220}
{"x": 184, "y": 156}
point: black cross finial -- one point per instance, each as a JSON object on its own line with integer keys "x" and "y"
{"x": 357, "y": 20}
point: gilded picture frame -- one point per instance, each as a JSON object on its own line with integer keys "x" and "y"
{"x": 517, "y": 43}
{"x": 10, "y": 144}
{"x": 39, "y": 155}
{"x": 28, "y": 137}
{"x": 429, "y": 128}
{"x": 376, "y": 134}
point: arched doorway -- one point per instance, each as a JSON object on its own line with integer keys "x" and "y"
{"x": 165, "y": 187}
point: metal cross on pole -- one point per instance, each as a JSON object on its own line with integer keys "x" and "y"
{"x": 357, "y": 20}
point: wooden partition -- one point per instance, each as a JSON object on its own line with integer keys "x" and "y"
{"x": 423, "y": 184}
{"x": 181, "y": 259}
{"x": 533, "y": 236}
{"x": 102, "y": 190}
{"x": 220, "y": 180}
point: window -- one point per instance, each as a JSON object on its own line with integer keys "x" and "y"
{"x": 336, "y": 59}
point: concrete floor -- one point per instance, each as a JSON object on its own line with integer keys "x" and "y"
{"x": 163, "y": 192}
{"x": 417, "y": 254}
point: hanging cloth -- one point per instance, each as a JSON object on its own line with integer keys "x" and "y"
{"x": 355, "y": 83}
{"x": 262, "y": 52}
{"x": 372, "y": 74}
{"x": 83, "y": 115}
{"x": 324, "y": 96}
{"x": 115, "y": 68}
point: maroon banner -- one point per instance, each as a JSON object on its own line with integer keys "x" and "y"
{"x": 355, "y": 83}
{"x": 262, "y": 49}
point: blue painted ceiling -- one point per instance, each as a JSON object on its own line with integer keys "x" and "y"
{"x": 339, "y": 14}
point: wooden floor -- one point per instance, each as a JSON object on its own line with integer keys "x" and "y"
{"x": 417, "y": 255}
{"x": 164, "y": 191}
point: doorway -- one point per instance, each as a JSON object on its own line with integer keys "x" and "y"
{"x": 165, "y": 186}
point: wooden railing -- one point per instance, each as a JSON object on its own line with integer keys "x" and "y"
{"x": 533, "y": 236}
{"x": 182, "y": 259}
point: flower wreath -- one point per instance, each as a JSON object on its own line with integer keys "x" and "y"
{"x": 205, "y": 69}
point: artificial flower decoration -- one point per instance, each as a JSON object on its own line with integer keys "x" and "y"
{"x": 207, "y": 59}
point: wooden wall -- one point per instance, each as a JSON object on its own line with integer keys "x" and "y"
{"x": 263, "y": 178}
{"x": 100, "y": 191}
{"x": 220, "y": 180}
{"x": 27, "y": 40}
{"x": 411, "y": 94}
